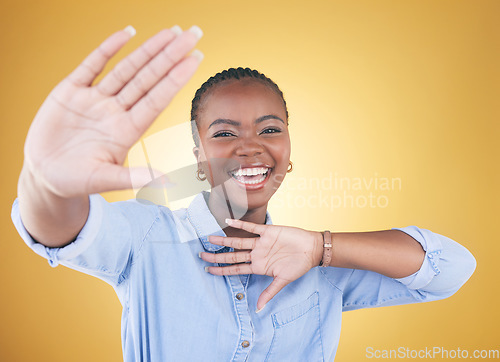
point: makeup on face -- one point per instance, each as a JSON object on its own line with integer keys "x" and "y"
{"x": 244, "y": 141}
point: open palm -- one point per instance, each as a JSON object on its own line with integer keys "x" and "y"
{"x": 80, "y": 137}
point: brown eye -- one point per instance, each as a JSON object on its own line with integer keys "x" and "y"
{"x": 223, "y": 134}
{"x": 270, "y": 130}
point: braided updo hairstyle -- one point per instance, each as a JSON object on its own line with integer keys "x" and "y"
{"x": 226, "y": 75}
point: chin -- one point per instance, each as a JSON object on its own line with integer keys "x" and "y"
{"x": 244, "y": 189}
{"x": 240, "y": 201}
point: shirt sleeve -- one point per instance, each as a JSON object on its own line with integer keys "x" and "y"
{"x": 446, "y": 267}
{"x": 107, "y": 244}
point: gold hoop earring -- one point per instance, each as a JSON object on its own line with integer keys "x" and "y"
{"x": 200, "y": 172}
{"x": 290, "y": 167}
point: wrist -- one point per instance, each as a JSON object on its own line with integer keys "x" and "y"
{"x": 50, "y": 219}
{"x": 33, "y": 186}
{"x": 318, "y": 248}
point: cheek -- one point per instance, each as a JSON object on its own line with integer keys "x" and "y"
{"x": 281, "y": 152}
{"x": 216, "y": 158}
{"x": 213, "y": 150}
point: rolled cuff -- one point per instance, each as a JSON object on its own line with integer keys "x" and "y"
{"x": 84, "y": 239}
{"x": 430, "y": 267}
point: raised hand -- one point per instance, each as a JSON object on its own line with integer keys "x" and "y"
{"x": 282, "y": 252}
{"x": 80, "y": 137}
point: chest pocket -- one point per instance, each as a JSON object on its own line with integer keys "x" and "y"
{"x": 297, "y": 333}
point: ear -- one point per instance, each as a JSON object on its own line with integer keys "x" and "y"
{"x": 196, "y": 152}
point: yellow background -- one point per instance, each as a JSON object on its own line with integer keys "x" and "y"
{"x": 400, "y": 89}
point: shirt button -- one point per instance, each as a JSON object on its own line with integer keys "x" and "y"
{"x": 245, "y": 344}
{"x": 240, "y": 296}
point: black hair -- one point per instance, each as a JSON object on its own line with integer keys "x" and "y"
{"x": 225, "y": 75}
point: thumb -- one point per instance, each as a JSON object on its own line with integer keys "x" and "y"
{"x": 117, "y": 177}
{"x": 141, "y": 177}
{"x": 276, "y": 285}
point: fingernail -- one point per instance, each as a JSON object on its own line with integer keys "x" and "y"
{"x": 196, "y": 31}
{"x": 198, "y": 55}
{"x": 206, "y": 269}
{"x": 199, "y": 254}
{"x": 260, "y": 310}
{"x": 176, "y": 29}
{"x": 130, "y": 30}
{"x": 229, "y": 221}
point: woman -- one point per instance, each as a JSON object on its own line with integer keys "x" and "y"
{"x": 265, "y": 296}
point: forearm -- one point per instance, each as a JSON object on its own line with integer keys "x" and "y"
{"x": 392, "y": 253}
{"x": 52, "y": 220}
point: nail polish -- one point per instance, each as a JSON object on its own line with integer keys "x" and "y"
{"x": 198, "y": 55}
{"x": 130, "y": 30}
{"x": 176, "y": 29}
{"x": 196, "y": 31}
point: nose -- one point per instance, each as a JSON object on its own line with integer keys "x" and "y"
{"x": 249, "y": 147}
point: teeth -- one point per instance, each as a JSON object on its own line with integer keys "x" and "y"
{"x": 251, "y": 182}
{"x": 255, "y": 172}
{"x": 250, "y": 171}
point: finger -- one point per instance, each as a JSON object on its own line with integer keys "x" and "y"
{"x": 158, "y": 67}
{"x": 233, "y": 242}
{"x": 145, "y": 111}
{"x": 276, "y": 285}
{"x": 94, "y": 63}
{"x": 230, "y": 270}
{"x": 125, "y": 70}
{"x": 247, "y": 226}
{"x": 226, "y": 258}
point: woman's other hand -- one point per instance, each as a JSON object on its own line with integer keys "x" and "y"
{"x": 282, "y": 252}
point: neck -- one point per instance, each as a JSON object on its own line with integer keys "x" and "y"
{"x": 222, "y": 209}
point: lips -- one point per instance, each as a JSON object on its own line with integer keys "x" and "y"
{"x": 251, "y": 177}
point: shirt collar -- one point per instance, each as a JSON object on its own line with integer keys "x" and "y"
{"x": 205, "y": 224}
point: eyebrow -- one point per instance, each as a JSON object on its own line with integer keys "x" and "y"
{"x": 236, "y": 123}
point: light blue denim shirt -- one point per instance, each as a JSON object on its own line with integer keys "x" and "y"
{"x": 174, "y": 311}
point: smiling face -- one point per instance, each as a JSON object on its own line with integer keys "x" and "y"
{"x": 244, "y": 142}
